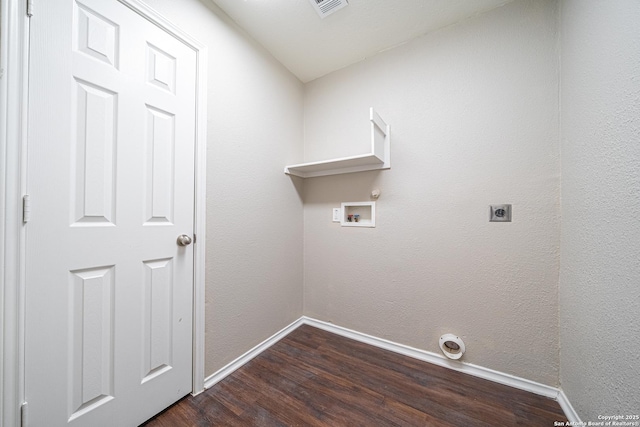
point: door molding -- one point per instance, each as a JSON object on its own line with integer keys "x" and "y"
{"x": 14, "y": 56}
{"x": 14, "y": 66}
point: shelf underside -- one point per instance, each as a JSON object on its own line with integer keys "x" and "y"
{"x": 360, "y": 163}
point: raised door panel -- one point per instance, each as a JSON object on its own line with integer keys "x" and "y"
{"x": 157, "y": 334}
{"x": 91, "y": 329}
{"x": 93, "y": 172}
{"x": 95, "y": 36}
{"x": 159, "y": 167}
{"x": 161, "y": 68}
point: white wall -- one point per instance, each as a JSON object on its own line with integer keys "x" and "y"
{"x": 254, "y": 211}
{"x": 600, "y": 268}
{"x": 473, "y": 110}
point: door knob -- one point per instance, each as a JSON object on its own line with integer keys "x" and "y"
{"x": 184, "y": 240}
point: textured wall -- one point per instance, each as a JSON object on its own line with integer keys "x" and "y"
{"x": 600, "y": 273}
{"x": 254, "y": 211}
{"x": 473, "y": 110}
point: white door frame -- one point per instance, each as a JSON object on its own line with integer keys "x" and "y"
{"x": 14, "y": 66}
{"x": 14, "y": 57}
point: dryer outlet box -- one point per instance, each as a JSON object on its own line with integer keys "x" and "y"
{"x": 500, "y": 213}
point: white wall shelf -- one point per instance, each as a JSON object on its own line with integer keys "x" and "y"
{"x": 378, "y": 158}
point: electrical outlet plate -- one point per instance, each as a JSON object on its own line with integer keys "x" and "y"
{"x": 336, "y": 214}
{"x": 500, "y": 213}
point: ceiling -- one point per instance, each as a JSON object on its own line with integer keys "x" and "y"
{"x": 311, "y": 47}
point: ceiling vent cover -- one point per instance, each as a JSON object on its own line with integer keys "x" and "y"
{"x": 327, "y": 7}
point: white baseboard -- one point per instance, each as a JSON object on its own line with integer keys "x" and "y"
{"x": 228, "y": 369}
{"x": 426, "y": 356}
{"x": 437, "y": 359}
{"x": 567, "y": 408}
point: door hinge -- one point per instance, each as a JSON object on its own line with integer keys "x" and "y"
{"x": 23, "y": 414}
{"x": 26, "y": 209}
{"x": 29, "y": 8}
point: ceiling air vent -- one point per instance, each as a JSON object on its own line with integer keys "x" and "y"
{"x": 327, "y": 7}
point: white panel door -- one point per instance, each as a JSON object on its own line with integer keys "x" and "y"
{"x": 108, "y": 333}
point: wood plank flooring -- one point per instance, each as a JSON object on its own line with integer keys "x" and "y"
{"x": 316, "y": 378}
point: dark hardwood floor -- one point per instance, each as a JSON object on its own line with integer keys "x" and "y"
{"x": 315, "y": 378}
